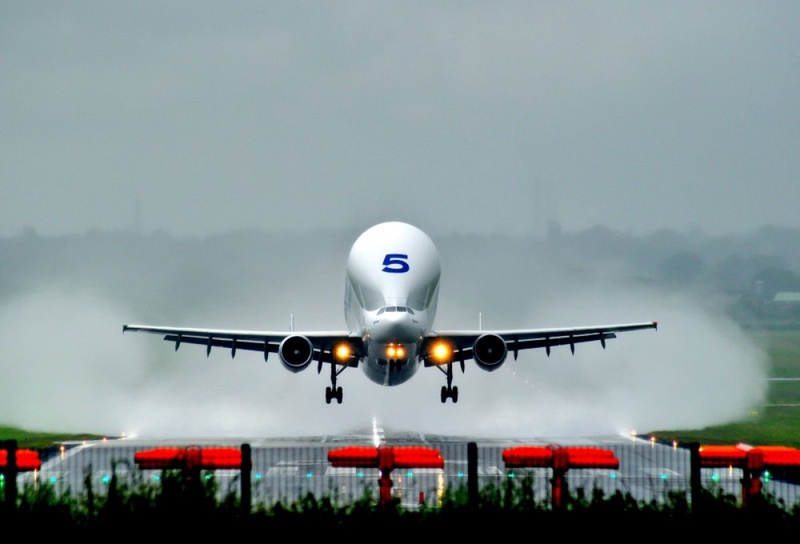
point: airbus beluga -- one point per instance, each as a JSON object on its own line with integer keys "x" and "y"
{"x": 390, "y": 297}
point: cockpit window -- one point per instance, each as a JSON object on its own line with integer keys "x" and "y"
{"x": 395, "y": 309}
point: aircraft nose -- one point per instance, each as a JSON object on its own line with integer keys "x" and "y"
{"x": 395, "y": 327}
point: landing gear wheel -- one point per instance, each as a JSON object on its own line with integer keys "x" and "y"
{"x": 449, "y": 392}
{"x": 333, "y": 393}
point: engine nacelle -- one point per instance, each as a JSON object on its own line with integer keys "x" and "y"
{"x": 296, "y": 352}
{"x": 489, "y": 352}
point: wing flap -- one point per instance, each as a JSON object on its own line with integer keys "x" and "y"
{"x": 265, "y": 342}
{"x": 462, "y": 341}
{"x": 233, "y": 344}
{"x": 558, "y": 341}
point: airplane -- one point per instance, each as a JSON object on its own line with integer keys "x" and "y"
{"x": 390, "y": 299}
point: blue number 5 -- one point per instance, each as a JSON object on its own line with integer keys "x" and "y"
{"x": 395, "y": 263}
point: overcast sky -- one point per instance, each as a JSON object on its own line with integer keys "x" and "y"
{"x": 201, "y": 117}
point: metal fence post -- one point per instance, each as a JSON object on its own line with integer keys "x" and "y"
{"x": 472, "y": 474}
{"x": 246, "y": 470}
{"x": 696, "y": 486}
{"x": 10, "y": 474}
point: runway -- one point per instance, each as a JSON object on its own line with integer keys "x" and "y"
{"x": 288, "y": 468}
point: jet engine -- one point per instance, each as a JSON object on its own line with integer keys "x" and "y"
{"x": 489, "y": 351}
{"x": 296, "y": 352}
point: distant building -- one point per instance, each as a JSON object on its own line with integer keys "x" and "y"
{"x": 785, "y": 303}
{"x": 787, "y": 297}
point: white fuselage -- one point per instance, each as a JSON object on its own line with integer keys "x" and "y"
{"x": 391, "y": 291}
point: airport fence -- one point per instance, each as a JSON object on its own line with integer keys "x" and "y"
{"x": 260, "y": 476}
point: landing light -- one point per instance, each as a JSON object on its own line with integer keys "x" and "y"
{"x": 343, "y": 352}
{"x": 441, "y": 352}
{"x": 395, "y": 351}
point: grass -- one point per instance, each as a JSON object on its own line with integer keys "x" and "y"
{"x": 776, "y": 423}
{"x": 41, "y": 440}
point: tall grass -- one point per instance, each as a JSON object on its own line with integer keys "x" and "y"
{"x": 188, "y": 502}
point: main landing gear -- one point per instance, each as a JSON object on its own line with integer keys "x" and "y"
{"x": 449, "y": 391}
{"x": 334, "y": 392}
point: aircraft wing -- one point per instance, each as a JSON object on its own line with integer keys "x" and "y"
{"x": 463, "y": 342}
{"x": 265, "y": 342}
